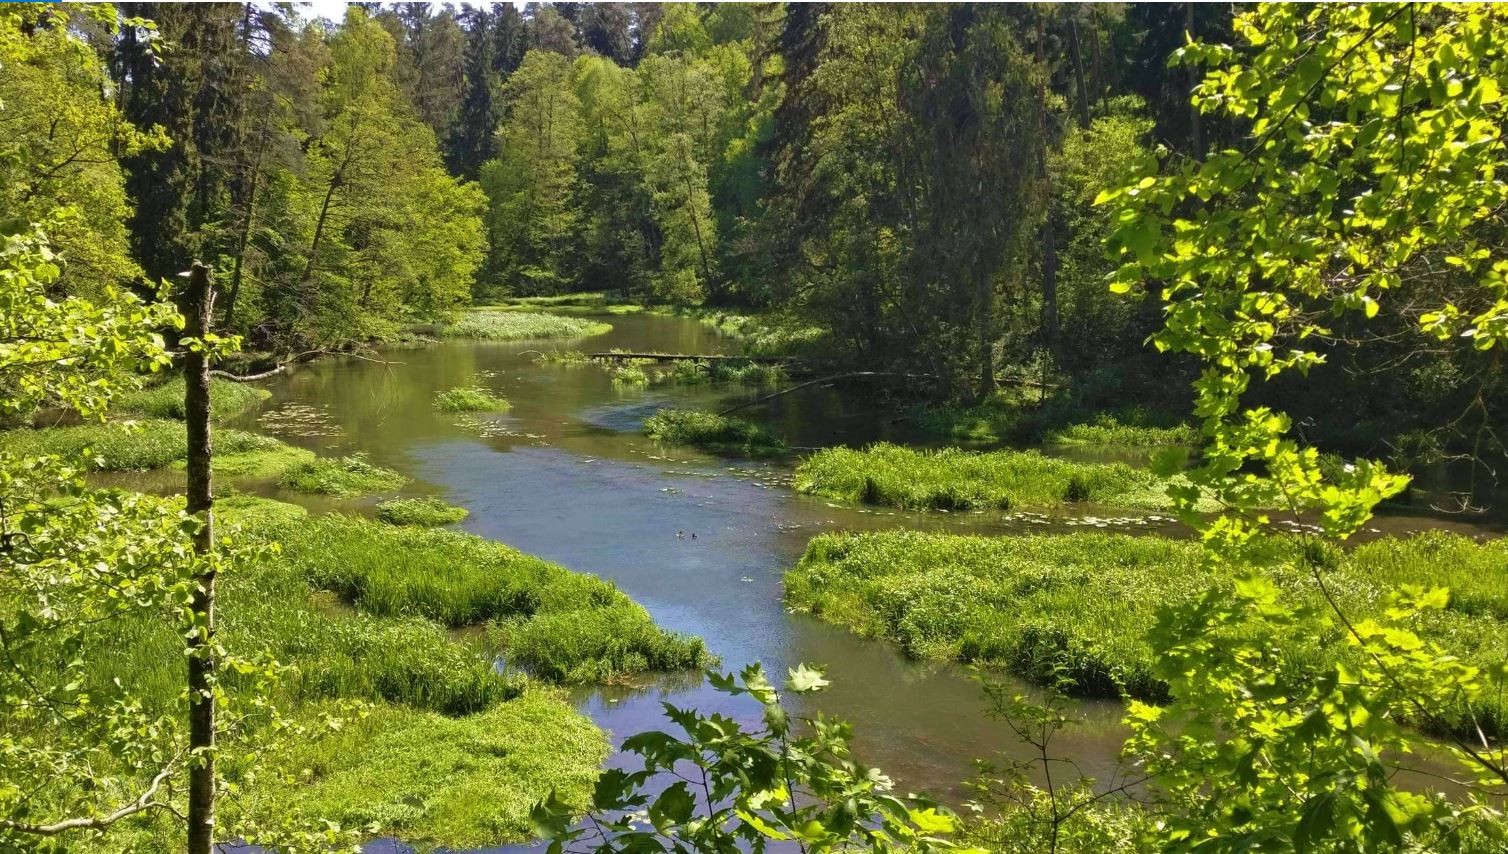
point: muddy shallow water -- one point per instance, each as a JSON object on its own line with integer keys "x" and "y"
{"x": 700, "y": 541}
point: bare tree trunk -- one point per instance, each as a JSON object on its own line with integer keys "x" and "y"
{"x": 201, "y": 662}
{"x": 1049, "y": 240}
{"x": 1196, "y": 137}
{"x": 1078, "y": 71}
{"x": 986, "y": 296}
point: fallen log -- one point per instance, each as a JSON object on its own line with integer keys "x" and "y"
{"x": 689, "y": 357}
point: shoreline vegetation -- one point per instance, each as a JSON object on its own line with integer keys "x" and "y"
{"x": 711, "y": 432}
{"x": 1079, "y": 607}
{"x": 953, "y": 479}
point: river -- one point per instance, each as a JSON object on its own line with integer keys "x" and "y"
{"x": 700, "y": 541}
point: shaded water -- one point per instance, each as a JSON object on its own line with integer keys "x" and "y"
{"x": 700, "y": 541}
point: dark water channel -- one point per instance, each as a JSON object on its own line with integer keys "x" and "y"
{"x": 565, "y": 475}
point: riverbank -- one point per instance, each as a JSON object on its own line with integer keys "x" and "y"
{"x": 1079, "y": 606}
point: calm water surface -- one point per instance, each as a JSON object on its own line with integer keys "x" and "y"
{"x": 700, "y": 541}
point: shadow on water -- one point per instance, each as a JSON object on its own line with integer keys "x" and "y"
{"x": 700, "y": 541}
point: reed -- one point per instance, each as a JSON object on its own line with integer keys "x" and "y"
{"x": 469, "y": 400}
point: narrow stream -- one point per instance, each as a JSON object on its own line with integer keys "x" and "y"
{"x": 700, "y": 541}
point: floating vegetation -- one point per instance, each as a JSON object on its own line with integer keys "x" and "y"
{"x": 343, "y": 477}
{"x": 421, "y": 512}
{"x": 470, "y": 399}
{"x": 712, "y": 432}
{"x": 519, "y": 326}
{"x": 494, "y": 428}
{"x": 227, "y": 399}
{"x": 953, "y": 479}
{"x": 299, "y": 419}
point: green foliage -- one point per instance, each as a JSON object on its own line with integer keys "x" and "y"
{"x": 712, "y": 432}
{"x": 780, "y": 780}
{"x": 421, "y": 512}
{"x": 951, "y": 479}
{"x": 469, "y": 400}
{"x": 458, "y": 783}
{"x": 1371, "y": 137}
{"x": 227, "y": 398}
{"x": 628, "y": 374}
{"x": 518, "y": 326}
{"x": 344, "y": 477}
{"x": 272, "y": 462}
{"x": 1078, "y": 611}
{"x": 561, "y": 625}
{"x": 127, "y": 446}
{"x": 565, "y": 358}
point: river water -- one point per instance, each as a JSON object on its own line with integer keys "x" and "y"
{"x": 700, "y": 541}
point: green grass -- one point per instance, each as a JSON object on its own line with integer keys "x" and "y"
{"x": 227, "y": 399}
{"x": 722, "y": 371}
{"x": 1014, "y": 415}
{"x": 712, "y": 432}
{"x": 130, "y": 446}
{"x": 1080, "y": 605}
{"x": 519, "y": 326}
{"x": 1106, "y": 429}
{"x": 469, "y": 400}
{"x": 952, "y": 479}
{"x": 457, "y": 783}
{"x": 344, "y": 477}
{"x": 561, "y": 625}
{"x": 271, "y": 462}
{"x": 420, "y": 512}
{"x": 567, "y": 358}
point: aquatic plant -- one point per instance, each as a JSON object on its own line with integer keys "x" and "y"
{"x": 342, "y": 477}
{"x": 587, "y": 630}
{"x": 519, "y": 326}
{"x": 470, "y": 399}
{"x": 1107, "y": 429}
{"x": 567, "y": 358}
{"x": 428, "y": 512}
{"x": 1080, "y": 606}
{"x": 628, "y": 375}
{"x": 227, "y": 399}
{"x": 953, "y": 479}
{"x": 712, "y": 432}
{"x": 128, "y": 446}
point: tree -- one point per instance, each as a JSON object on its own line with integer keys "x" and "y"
{"x": 1373, "y": 135}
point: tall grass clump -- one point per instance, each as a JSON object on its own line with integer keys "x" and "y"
{"x": 628, "y": 375}
{"x": 128, "y": 446}
{"x": 1080, "y": 606}
{"x": 227, "y": 399}
{"x": 519, "y": 326}
{"x": 566, "y": 358}
{"x": 953, "y": 479}
{"x": 712, "y": 432}
{"x": 427, "y": 512}
{"x": 561, "y": 625}
{"x": 469, "y": 400}
{"x": 341, "y": 477}
{"x": 1107, "y": 429}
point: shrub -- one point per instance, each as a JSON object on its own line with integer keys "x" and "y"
{"x": 469, "y": 400}
{"x": 952, "y": 479}
{"x": 343, "y": 477}
{"x": 712, "y": 432}
{"x": 420, "y": 512}
{"x": 519, "y": 326}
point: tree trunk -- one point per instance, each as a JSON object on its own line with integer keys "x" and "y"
{"x": 1196, "y": 137}
{"x": 244, "y": 236}
{"x": 986, "y": 297}
{"x": 1078, "y": 72}
{"x": 201, "y": 661}
{"x": 1049, "y": 240}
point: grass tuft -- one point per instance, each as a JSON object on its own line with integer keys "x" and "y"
{"x": 420, "y": 512}
{"x": 953, "y": 479}
{"x": 628, "y": 375}
{"x": 469, "y": 400}
{"x": 519, "y": 326}
{"x": 712, "y": 432}
{"x": 344, "y": 477}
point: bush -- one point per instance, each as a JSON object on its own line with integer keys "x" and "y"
{"x": 519, "y": 326}
{"x": 343, "y": 477}
{"x": 227, "y": 399}
{"x": 469, "y": 400}
{"x": 952, "y": 479}
{"x": 420, "y": 512}
{"x": 130, "y": 446}
{"x": 712, "y": 432}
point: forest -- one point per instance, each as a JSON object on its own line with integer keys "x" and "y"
{"x": 443, "y": 426}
